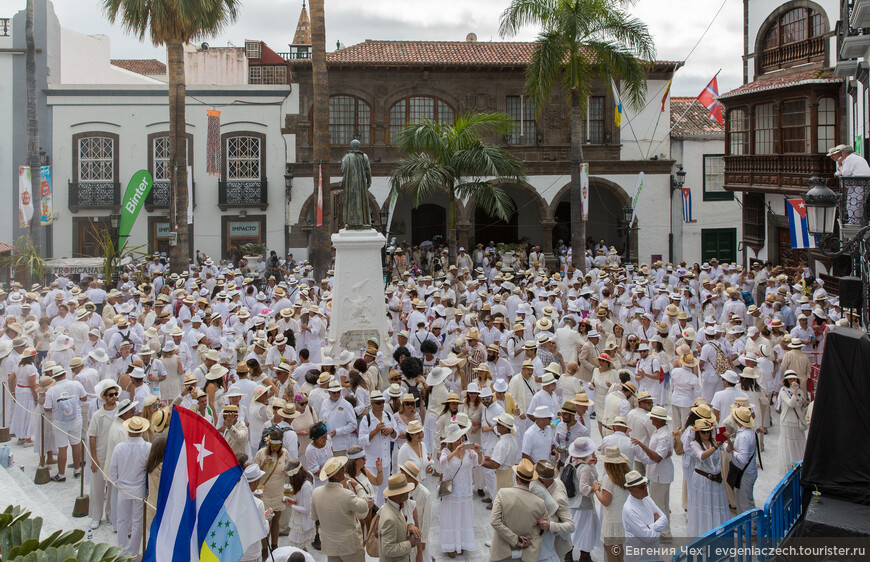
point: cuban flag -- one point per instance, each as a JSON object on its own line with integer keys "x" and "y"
{"x": 205, "y": 508}
{"x": 687, "y": 204}
{"x": 797, "y": 225}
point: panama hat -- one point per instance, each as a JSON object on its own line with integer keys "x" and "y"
{"x": 414, "y": 427}
{"x": 795, "y": 344}
{"x": 660, "y": 413}
{"x": 702, "y": 425}
{"x": 730, "y": 376}
{"x": 703, "y": 411}
{"x": 619, "y": 421}
{"x": 525, "y": 471}
{"x": 454, "y": 433}
{"x": 630, "y": 386}
{"x": 749, "y": 373}
{"x": 554, "y": 369}
{"x": 506, "y": 420}
{"x": 288, "y": 411}
{"x": 136, "y": 425}
{"x": 542, "y": 412}
{"x": 568, "y": 407}
{"x": 398, "y": 484}
{"x": 582, "y": 399}
{"x": 216, "y": 372}
{"x": 411, "y": 470}
{"x": 160, "y": 420}
{"x": 332, "y": 466}
{"x": 634, "y": 478}
{"x": 688, "y": 360}
{"x": 613, "y": 455}
{"x": 500, "y": 385}
{"x": 253, "y": 473}
{"x": 581, "y": 447}
{"x": 452, "y": 398}
{"x": 548, "y": 378}
{"x": 452, "y": 361}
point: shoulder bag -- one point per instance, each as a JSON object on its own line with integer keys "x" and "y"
{"x": 445, "y": 487}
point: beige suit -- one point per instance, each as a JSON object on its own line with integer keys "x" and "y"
{"x": 393, "y": 534}
{"x": 515, "y": 513}
{"x": 236, "y": 437}
{"x": 339, "y": 511}
{"x": 561, "y": 522}
{"x": 587, "y": 359}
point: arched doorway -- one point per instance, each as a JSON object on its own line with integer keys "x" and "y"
{"x": 525, "y": 222}
{"x": 428, "y": 221}
{"x": 487, "y": 227}
{"x": 606, "y": 200}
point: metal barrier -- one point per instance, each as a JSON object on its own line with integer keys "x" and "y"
{"x": 734, "y": 539}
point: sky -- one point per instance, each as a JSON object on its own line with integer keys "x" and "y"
{"x": 353, "y": 21}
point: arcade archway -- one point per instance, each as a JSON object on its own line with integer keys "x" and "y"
{"x": 606, "y": 200}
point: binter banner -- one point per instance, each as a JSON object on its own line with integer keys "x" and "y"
{"x": 137, "y": 190}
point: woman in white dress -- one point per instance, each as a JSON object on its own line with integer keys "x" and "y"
{"x": 297, "y": 495}
{"x": 258, "y": 414}
{"x": 170, "y": 385}
{"x": 414, "y": 450}
{"x": 587, "y": 525}
{"x": 407, "y": 414}
{"x": 435, "y": 396}
{"x": 611, "y": 492}
{"x": 24, "y": 379}
{"x": 457, "y": 513}
{"x": 708, "y": 503}
{"x": 685, "y": 386}
{"x": 471, "y": 407}
{"x": 792, "y": 407}
{"x": 602, "y": 378}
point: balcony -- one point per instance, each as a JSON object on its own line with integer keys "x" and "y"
{"x": 5, "y": 26}
{"x": 94, "y": 195}
{"x": 243, "y": 193}
{"x": 775, "y": 173}
{"x": 860, "y": 16}
{"x": 812, "y": 49}
{"x": 158, "y": 197}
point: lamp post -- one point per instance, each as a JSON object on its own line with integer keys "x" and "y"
{"x": 288, "y": 194}
{"x": 821, "y": 208}
{"x": 384, "y": 216}
{"x": 627, "y": 214}
{"x": 678, "y": 180}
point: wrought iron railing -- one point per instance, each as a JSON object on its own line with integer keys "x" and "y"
{"x": 158, "y": 197}
{"x": 243, "y": 193}
{"x": 854, "y": 193}
{"x": 5, "y": 26}
{"x": 94, "y": 195}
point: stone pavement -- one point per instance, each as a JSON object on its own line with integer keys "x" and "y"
{"x": 54, "y": 501}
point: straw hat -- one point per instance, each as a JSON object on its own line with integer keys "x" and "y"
{"x": 333, "y": 465}
{"x": 660, "y": 413}
{"x": 634, "y": 478}
{"x": 398, "y": 484}
{"x": 160, "y": 419}
{"x": 136, "y": 425}
{"x": 411, "y": 469}
{"x": 703, "y": 425}
{"x": 216, "y": 372}
{"x": 452, "y": 398}
{"x": 703, "y": 411}
{"x": 525, "y": 471}
{"x": 688, "y": 360}
{"x": 795, "y": 344}
{"x": 749, "y": 373}
{"x": 506, "y": 420}
{"x": 288, "y": 411}
{"x": 414, "y": 427}
{"x": 619, "y": 421}
{"x": 582, "y": 399}
{"x": 612, "y": 455}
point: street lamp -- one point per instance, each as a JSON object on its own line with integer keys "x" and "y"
{"x": 384, "y": 216}
{"x": 627, "y": 215}
{"x": 678, "y": 180}
{"x": 288, "y": 182}
{"x": 821, "y": 205}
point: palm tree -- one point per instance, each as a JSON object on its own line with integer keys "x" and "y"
{"x": 456, "y": 157}
{"x": 321, "y": 247}
{"x": 32, "y": 128}
{"x": 173, "y": 23}
{"x": 582, "y": 43}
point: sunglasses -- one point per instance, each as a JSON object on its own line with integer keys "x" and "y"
{"x": 111, "y": 394}
{"x": 303, "y": 403}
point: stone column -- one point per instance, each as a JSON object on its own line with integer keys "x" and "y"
{"x": 547, "y": 227}
{"x": 462, "y": 228}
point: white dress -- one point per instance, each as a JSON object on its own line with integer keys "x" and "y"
{"x": 708, "y": 503}
{"x": 792, "y": 430}
{"x": 407, "y": 453}
{"x": 301, "y": 525}
{"x": 587, "y": 525}
{"x": 612, "y": 531}
{"x": 170, "y": 388}
{"x": 22, "y": 425}
{"x": 457, "y": 513}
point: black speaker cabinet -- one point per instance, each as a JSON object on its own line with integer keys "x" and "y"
{"x": 851, "y": 295}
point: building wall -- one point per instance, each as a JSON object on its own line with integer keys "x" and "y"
{"x": 85, "y": 59}
{"x": 8, "y": 168}
{"x": 135, "y": 112}
{"x": 689, "y": 153}
{"x": 223, "y": 65}
{"x": 644, "y": 133}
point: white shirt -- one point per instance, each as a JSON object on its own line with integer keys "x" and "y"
{"x": 662, "y": 442}
{"x": 537, "y": 443}
{"x": 637, "y": 518}
{"x": 505, "y": 452}
{"x": 128, "y": 465}
{"x": 377, "y": 447}
{"x": 339, "y": 417}
{"x": 744, "y": 450}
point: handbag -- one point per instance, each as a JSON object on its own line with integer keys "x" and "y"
{"x": 445, "y": 487}
{"x": 735, "y": 475}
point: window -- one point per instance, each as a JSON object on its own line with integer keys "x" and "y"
{"x": 753, "y": 218}
{"x": 765, "y": 128}
{"x": 714, "y": 178}
{"x": 96, "y": 159}
{"x": 738, "y": 129}
{"x": 595, "y": 120}
{"x": 162, "y": 150}
{"x": 779, "y": 49}
{"x": 795, "y": 127}
{"x": 349, "y": 119}
{"x": 719, "y": 243}
{"x": 243, "y": 158}
{"x": 252, "y": 49}
{"x": 827, "y": 128}
{"x": 417, "y": 108}
{"x": 267, "y": 74}
{"x": 521, "y": 111}
{"x": 255, "y": 74}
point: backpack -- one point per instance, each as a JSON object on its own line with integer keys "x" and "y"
{"x": 568, "y": 477}
{"x": 747, "y": 298}
{"x": 267, "y": 431}
{"x": 721, "y": 364}
{"x": 369, "y": 418}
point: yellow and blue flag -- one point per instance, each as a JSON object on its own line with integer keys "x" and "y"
{"x": 617, "y": 105}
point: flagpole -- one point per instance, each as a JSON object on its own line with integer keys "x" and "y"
{"x": 667, "y": 94}
{"x": 684, "y": 113}
{"x": 630, "y": 126}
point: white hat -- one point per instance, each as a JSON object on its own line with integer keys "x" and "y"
{"x": 437, "y": 376}
{"x": 137, "y": 373}
{"x": 454, "y": 433}
{"x": 500, "y": 385}
{"x": 99, "y": 355}
{"x": 253, "y": 473}
{"x": 730, "y": 376}
{"x": 542, "y": 412}
{"x": 548, "y": 378}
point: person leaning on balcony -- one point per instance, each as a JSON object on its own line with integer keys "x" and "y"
{"x": 850, "y": 164}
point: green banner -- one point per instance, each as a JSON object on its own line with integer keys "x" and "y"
{"x": 137, "y": 190}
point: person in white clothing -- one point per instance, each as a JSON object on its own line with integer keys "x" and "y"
{"x": 127, "y": 471}
{"x": 63, "y": 402}
{"x": 642, "y": 519}
{"x": 658, "y": 458}
{"x": 339, "y": 417}
{"x": 744, "y": 449}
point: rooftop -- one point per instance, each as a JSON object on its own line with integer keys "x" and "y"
{"x": 783, "y": 79}
{"x": 695, "y": 123}
{"x": 146, "y": 67}
{"x": 442, "y": 53}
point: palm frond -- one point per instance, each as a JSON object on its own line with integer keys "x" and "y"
{"x": 489, "y": 160}
{"x": 521, "y": 13}
{"x": 469, "y": 128}
{"x": 172, "y": 21}
{"x": 545, "y": 68}
{"x": 614, "y": 62}
{"x": 422, "y": 136}
{"x": 420, "y": 176}
{"x": 489, "y": 196}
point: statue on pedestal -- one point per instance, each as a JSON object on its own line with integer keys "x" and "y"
{"x": 356, "y": 181}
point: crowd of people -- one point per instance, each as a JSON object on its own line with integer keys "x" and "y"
{"x": 559, "y": 399}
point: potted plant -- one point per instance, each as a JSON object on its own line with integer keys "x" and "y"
{"x": 253, "y": 253}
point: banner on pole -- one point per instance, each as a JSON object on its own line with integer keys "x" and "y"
{"x": 584, "y": 190}
{"x": 137, "y": 190}
{"x": 638, "y": 187}
{"x": 393, "y": 199}
{"x": 320, "y": 195}
{"x": 46, "y": 208}
{"x": 190, "y": 195}
{"x": 25, "y": 197}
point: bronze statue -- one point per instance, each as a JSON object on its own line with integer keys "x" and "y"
{"x": 356, "y": 181}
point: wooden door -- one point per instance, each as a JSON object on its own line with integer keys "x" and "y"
{"x": 789, "y": 257}
{"x": 719, "y": 243}
{"x": 87, "y": 246}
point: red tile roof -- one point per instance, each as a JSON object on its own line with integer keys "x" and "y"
{"x": 440, "y": 53}
{"x": 694, "y": 124}
{"x": 784, "y": 79}
{"x": 5, "y": 248}
{"x": 146, "y": 67}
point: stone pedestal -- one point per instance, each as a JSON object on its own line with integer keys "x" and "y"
{"x": 358, "y": 307}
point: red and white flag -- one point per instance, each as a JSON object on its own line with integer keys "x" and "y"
{"x": 320, "y": 196}
{"x": 708, "y": 100}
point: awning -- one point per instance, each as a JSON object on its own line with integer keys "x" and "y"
{"x": 72, "y": 266}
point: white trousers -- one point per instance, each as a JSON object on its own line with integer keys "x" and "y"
{"x": 661, "y": 495}
{"x": 745, "y": 495}
{"x": 98, "y": 497}
{"x": 130, "y": 514}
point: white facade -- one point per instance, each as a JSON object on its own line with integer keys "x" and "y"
{"x": 8, "y": 168}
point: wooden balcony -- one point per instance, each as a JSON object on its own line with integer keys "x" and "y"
{"x": 775, "y": 173}
{"x": 810, "y": 50}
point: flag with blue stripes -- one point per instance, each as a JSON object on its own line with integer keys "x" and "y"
{"x": 687, "y": 204}
{"x": 801, "y": 239}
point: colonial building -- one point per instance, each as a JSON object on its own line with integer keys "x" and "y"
{"x": 781, "y": 122}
